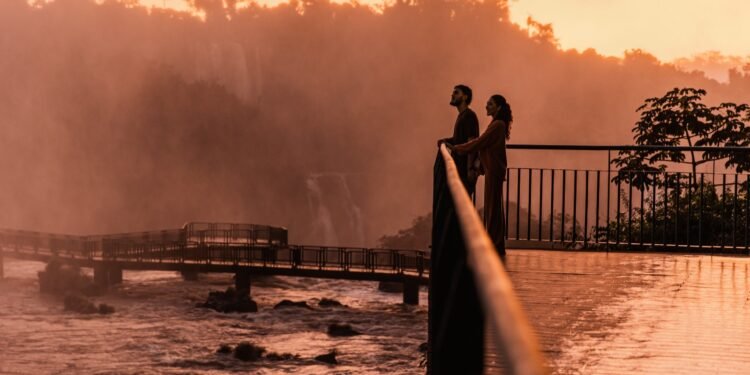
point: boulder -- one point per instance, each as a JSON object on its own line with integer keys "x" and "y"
{"x": 327, "y": 302}
{"x": 280, "y": 357}
{"x": 247, "y": 351}
{"x": 288, "y": 303}
{"x": 229, "y": 301}
{"x": 329, "y": 358}
{"x": 224, "y": 349}
{"x": 105, "y": 309}
{"x": 341, "y": 330}
{"x": 79, "y": 305}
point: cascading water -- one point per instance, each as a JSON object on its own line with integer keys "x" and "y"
{"x": 337, "y": 219}
{"x": 225, "y": 63}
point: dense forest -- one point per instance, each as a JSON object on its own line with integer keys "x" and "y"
{"x": 317, "y": 116}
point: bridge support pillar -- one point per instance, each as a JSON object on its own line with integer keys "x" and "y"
{"x": 115, "y": 275}
{"x": 411, "y": 292}
{"x": 242, "y": 282}
{"x": 189, "y": 275}
{"x": 101, "y": 276}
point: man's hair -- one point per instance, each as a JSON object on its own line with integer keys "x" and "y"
{"x": 466, "y": 91}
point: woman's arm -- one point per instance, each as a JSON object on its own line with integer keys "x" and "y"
{"x": 490, "y": 136}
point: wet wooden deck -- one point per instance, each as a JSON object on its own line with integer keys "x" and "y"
{"x": 617, "y": 313}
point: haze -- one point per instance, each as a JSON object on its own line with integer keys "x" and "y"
{"x": 116, "y": 119}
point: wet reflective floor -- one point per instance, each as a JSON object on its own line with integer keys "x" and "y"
{"x": 617, "y": 313}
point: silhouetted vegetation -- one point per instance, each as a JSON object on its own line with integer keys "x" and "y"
{"x": 685, "y": 208}
{"x": 680, "y": 118}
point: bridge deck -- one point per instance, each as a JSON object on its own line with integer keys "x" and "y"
{"x": 634, "y": 312}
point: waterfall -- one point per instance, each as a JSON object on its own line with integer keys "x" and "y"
{"x": 337, "y": 219}
{"x": 225, "y": 63}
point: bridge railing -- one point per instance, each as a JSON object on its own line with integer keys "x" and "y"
{"x": 511, "y": 331}
{"x": 671, "y": 209}
{"x": 218, "y": 243}
{"x": 236, "y": 233}
{"x": 34, "y": 242}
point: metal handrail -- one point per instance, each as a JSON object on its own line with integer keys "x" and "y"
{"x": 626, "y": 148}
{"x": 512, "y": 332}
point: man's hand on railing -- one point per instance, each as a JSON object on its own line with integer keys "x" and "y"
{"x": 445, "y": 141}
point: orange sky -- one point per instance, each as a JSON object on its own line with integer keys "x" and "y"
{"x": 668, "y": 29}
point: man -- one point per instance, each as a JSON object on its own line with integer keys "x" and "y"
{"x": 465, "y": 129}
{"x": 455, "y": 320}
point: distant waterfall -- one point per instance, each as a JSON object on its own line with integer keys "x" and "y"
{"x": 226, "y": 64}
{"x": 337, "y": 220}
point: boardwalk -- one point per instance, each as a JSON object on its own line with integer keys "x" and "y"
{"x": 617, "y": 313}
{"x": 242, "y": 249}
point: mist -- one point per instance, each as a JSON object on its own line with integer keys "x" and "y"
{"x": 315, "y": 116}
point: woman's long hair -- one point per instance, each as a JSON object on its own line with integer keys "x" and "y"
{"x": 504, "y": 113}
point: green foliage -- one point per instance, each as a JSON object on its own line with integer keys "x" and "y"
{"x": 418, "y": 236}
{"x": 706, "y": 213}
{"x": 678, "y": 118}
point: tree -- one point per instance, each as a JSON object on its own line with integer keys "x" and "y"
{"x": 681, "y": 118}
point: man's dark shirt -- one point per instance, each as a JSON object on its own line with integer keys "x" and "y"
{"x": 466, "y": 128}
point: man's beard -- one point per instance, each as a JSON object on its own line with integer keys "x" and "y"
{"x": 455, "y": 103}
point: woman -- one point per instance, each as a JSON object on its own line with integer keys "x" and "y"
{"x": 491, "y": 148}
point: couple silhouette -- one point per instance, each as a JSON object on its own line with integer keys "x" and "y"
{"x": 483, "y": 154}
{"x": 456, "y": 320}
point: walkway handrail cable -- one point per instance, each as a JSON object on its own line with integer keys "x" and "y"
{"x": 628, "y": 148}
{"x": 512, "y": 332}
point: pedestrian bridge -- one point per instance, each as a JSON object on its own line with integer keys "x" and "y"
{"x": 243, "y": 249}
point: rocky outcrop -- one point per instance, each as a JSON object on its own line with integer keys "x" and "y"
{"x": 82, "y": 305}
{"x": 249, "y": 352}
{"x": 288, "y": 303}
{"x": 225, "y": 349}
{"x": 229, "y": 301}
{"x": 329, "y": 358}
{"x": 341, "y": 330}
{"x": 281, "y": 357}
{"x": 327, "y": 302}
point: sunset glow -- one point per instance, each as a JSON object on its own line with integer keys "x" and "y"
{"x": 668, "y": 29}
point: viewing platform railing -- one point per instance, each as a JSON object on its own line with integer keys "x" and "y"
{"x": 672, "y": 209}
{"x": 510, "y": 329}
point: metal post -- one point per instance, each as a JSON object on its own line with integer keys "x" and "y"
{"x": 541, "y": 200}
{"x": 596, "y": 210}
{"x": 630, "y": 210}
{"x": 518, "y": 204}
{"x": 586, "y": 212}
{"x": 575, "y": 205}
{"x": 734, "y": 215}
{"x": 552, "y": 208}
{"x": 562, "y": 201}
{"x": 677, "y": 209}
{"x": 700, "y": 213}
{"x": 528, "y": 214}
